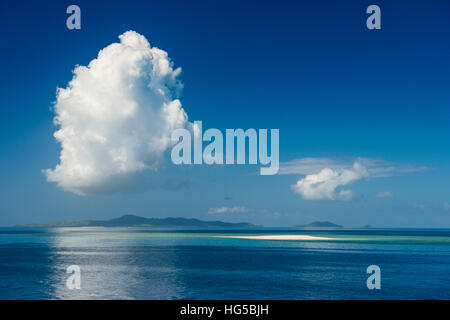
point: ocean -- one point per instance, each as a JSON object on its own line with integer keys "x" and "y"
{"x": 141, "y": 263}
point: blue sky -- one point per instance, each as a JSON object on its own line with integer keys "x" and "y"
{"x": 335, "y": 89}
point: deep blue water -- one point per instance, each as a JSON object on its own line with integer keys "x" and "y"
{"x": 135, "y": 263}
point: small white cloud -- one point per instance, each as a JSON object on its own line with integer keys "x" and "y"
{"x": 116, "y": 116}
{"x": 376, "y": 168}
{"x": 236, "y": 209}
{"x": 324, "y": 178}
{"x": 385, "y": 194}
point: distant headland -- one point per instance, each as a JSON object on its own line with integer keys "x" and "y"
{"x": 136, "y": 221}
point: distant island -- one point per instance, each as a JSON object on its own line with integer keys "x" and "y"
{"x": 318, "y": 224}
{"x": 136, "y": 221}
{"x": 130, "y": 220}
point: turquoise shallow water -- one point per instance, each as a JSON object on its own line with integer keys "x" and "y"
{"x": 138, "y": 263}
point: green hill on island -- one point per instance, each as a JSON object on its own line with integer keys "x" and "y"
{"x": 136, "y": 221}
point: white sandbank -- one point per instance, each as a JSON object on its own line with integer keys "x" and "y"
{"x": 278, "y": 237}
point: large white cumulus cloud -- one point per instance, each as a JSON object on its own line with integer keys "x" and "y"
{"x": 116, "y": 117}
